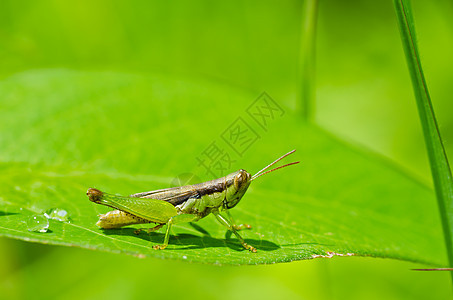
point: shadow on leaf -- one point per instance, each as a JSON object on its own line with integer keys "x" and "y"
{"x": 4, "y": 213}
{"x": 190, "y": 241}
{"x": 199, "y": 229}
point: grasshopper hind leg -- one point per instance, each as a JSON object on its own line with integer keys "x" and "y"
{"x": 117, "y": 219}
{"x": 182, "y": 218}
{"x": 148, "y": 230}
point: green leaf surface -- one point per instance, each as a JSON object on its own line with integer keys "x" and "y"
{"x": 65, "y": 131}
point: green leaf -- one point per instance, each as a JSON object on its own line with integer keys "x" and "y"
{"x": 440, "y": 169}
{"x": 65, "y": 131}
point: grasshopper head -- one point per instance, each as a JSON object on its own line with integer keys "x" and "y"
{"x": 94, "y": 195}
{"x": 237, "y": 184}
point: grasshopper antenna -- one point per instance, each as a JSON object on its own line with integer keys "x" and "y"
{"x": 261, "y": 172}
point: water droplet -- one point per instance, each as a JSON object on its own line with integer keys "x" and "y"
{"x": 38, "y": 223}
{"x": 57, "y": 214}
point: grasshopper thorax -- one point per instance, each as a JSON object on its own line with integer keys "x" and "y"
{"x": 237, "y": 184}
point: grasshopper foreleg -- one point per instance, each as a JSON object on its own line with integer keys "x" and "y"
{"x": 237, "y": 226}
{"x": 227, "y": 224}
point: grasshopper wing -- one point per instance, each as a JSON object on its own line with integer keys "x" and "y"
{"x": 154, "y": 210}
{"x": 174, "y": 195}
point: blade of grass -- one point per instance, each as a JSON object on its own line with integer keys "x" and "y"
{"x": 440, "y": 168}
{"x": 307, "y": 58}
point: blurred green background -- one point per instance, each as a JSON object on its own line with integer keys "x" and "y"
{"x": 363, "y": 94}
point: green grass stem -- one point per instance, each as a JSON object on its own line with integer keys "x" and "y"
{"x": 307, "y": 59}
{"x": 440, "y": 168}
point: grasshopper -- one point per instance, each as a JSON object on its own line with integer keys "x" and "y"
{"x": 175, "y": 205}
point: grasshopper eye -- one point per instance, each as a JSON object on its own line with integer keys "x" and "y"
{"x": 241, "y": 178}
